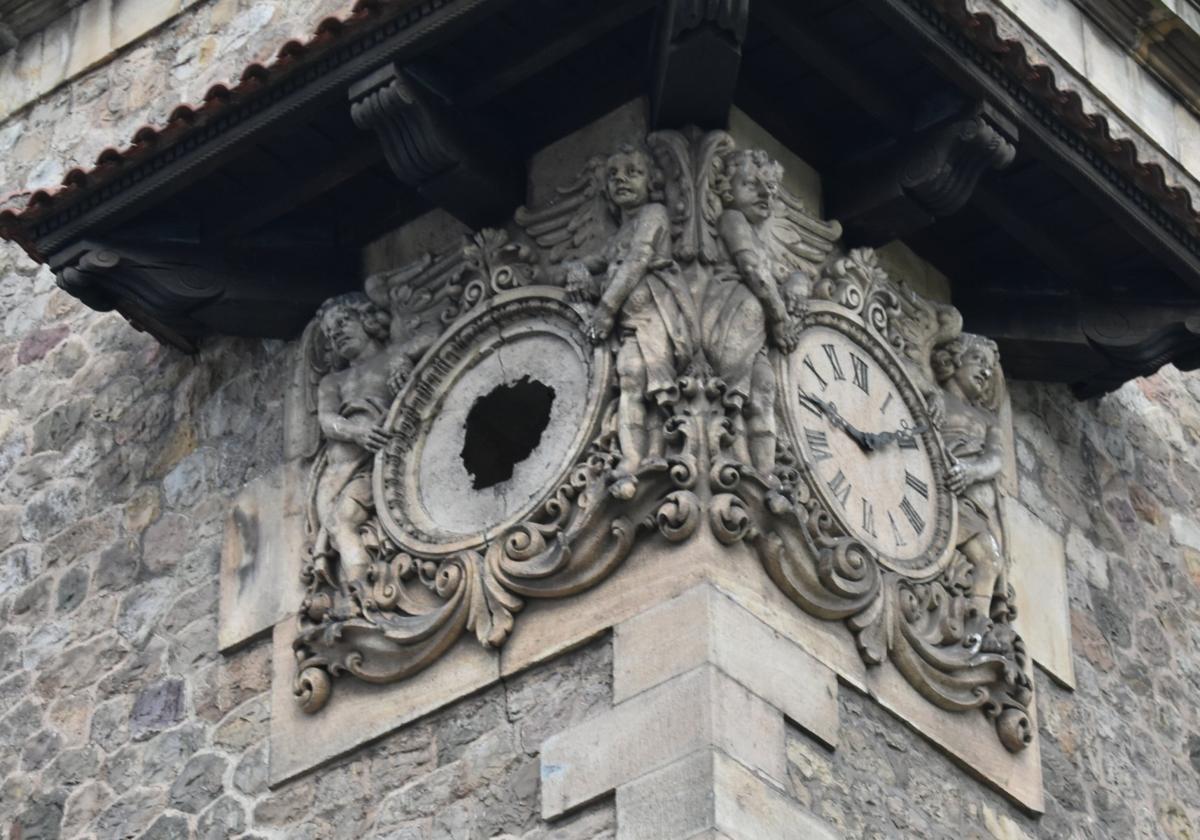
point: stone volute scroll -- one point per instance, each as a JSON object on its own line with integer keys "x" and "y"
{"x": 675, "y": 343}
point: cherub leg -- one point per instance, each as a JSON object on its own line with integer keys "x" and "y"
{"x": 760, "y": 423}
{"x": 631, "y": 416}
{"x": 983, "y": 552}
{"x": 352, "y": 510}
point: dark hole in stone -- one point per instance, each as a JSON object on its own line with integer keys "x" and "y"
{"x": 503, "y": 427}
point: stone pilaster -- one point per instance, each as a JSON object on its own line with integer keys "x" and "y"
{"x": 694, "y": 743}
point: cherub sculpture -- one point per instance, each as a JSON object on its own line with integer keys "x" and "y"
{"x": 754, "y": 299}
{"x": 347, "y": 349}
{"x": 743, "y": 304}
{"x": 638, "y": 293}
{"x": 967, "y": 368}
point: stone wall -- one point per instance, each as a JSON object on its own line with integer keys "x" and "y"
{"x": 119, "y": 460}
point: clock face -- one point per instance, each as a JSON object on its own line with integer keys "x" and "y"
{"x": 860, "y": 433}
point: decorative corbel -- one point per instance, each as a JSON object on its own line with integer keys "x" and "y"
{"x": 178, "y": 292}
{"x": 698, "y": 52}
{"x": 931, "y": 175}
{"x": 432, "y": 150}
{"x": 1138, "y": 340}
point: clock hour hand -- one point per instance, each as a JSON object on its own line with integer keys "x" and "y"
{"x": 830, "y": 411}
{"x": 882, "y": 439}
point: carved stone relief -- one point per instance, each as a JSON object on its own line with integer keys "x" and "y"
{"x": 675, "y": 343}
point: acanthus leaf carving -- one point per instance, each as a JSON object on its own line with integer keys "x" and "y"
{"x": 696, "y": 341}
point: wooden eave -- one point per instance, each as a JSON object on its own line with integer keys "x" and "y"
{"x": 1079, "y": 258}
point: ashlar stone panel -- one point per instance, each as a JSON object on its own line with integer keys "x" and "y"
{"x": 1039, "y": 575}
{"x": 260, "y": 558}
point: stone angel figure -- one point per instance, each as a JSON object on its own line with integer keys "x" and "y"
{"x": 350, "y": 379}
{"x": 968, "y": 370}
{"x": 637, "y": 292}
{"x": 417, "y": 298}
{"x": 753, "y": 298}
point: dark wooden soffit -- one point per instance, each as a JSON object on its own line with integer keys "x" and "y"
{"x": 240, "y": 214}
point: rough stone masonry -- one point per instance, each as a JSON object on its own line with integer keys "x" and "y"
{"x": 119, "y": 460}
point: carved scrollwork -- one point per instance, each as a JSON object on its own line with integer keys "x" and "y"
{"x": 660, "y": 320}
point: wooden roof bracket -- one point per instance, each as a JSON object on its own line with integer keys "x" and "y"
{"x": 436, "y": 150}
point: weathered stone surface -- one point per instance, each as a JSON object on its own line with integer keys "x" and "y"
{"x": 1039, "y": 575}
{"x": 199, "y": 783}
{"x": 1125, "y": 754}
{"x": 156, "y": 707}
{"x": 701, "y": 709}
{"x": 264, "y": 541}
{"x": 705, "y": 626}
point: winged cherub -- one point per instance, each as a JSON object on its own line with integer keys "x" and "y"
{"x": 639, "y": 293}
{"x": 967, "y": 370}
{"x": 743, "y": 306}
{"x": 353, "y": 398}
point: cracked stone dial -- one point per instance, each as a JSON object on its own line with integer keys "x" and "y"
{"x": 864, "y": 435}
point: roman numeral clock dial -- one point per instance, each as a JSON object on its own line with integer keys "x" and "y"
{"x": 865, "y": 439}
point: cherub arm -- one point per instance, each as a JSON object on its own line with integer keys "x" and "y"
{"x": 985, "y": 465}
{"x": 739, "y": 239}
{"x": 650, "y": 225}
{"x": 336, "y": 427}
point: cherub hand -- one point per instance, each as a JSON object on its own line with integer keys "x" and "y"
{"x": 786, "y": 334}
{"x": 797, "y": 290}
{"x": 600, "y": 325}
{"x": 372, "y": 438}
{"x": 956, "y": 477}
{"x": 581, "y": 286}
{"x": 398, "y": 376}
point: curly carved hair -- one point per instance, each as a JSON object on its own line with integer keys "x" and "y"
{"x": 947, "y": 359}
{"x": 375, "y": 321}
{"x": 656, "y": 181}
{"x": 748, "y": 162}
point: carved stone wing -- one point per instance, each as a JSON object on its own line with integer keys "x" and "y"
{"x": 924, "y": 324}
{"x": 576, "y": 222}
{"x": 801, "y": 241}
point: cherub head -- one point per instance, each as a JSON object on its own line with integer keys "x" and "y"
{"x": 631, "y": 179}
{"x": 748, "y": 180}
{"x": 968, "y": 364}
{"x": 351, "y": 324}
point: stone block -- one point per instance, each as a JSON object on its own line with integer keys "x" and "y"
{"x": 703, "y": 626}
{"x": 694, "y": 711}
{"x": 1110, "y": 70}
{"x": 91, "y": 33}
{"x": 709, "y": 794}
{"x": 133, "y": 18}
{"x": 1187, "y": 138}
{"x": 1057, "y": 23}
{"x": 262, "y": 556}
{"x": 1038, "y": 571}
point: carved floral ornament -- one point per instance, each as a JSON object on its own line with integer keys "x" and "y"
{"x": 675, "y": 343}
